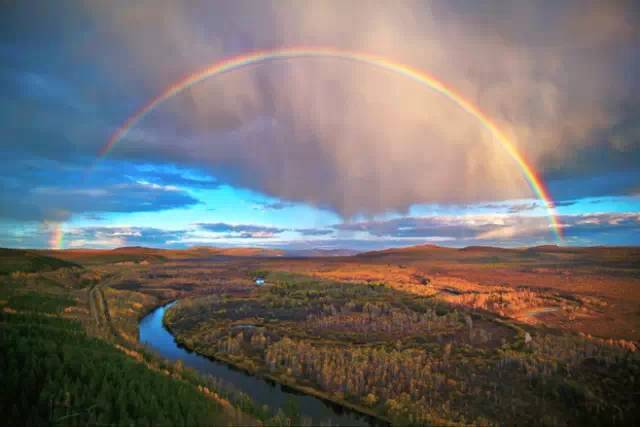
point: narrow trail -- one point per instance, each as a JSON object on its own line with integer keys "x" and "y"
{"x": 99, "y": 307}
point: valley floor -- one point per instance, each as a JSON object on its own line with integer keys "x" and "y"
{"x": 424, "y": 335}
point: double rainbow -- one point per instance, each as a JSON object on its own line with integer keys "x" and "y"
{"x": 237, "y": 62}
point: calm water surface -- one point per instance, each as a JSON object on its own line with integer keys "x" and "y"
{"x": 264, "y": 392}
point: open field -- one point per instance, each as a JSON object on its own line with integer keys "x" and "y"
{"x": 422, "y": 335}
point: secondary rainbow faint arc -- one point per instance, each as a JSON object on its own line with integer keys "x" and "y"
{"x": 240, "y": 61}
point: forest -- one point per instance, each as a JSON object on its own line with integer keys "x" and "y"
{"x": 53, "y": 373}
{"x": 416, "y": 349}
{"x": 71, "y": 355}
{"x": 414, "y": 360}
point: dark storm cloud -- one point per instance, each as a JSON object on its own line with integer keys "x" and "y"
{"x": 542, "y": 73}
{"x": 560, "y": 78}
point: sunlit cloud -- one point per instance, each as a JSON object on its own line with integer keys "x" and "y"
{"x": 319, "y": 150}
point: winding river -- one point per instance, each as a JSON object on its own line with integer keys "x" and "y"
{"x": 264, "y": 392}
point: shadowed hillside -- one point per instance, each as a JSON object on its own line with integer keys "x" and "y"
{"x": 12, "y": 260}
{"x": 138, "y": 254}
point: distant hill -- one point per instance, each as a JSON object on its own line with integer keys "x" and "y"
{"x": 12, "y": 260}
{"x": 311, "y": 253}
{"x": 208, "y": 252}
{"x": 107, "y": 256}
{"x": 408, "y": 251}
{"x": 553, "y": 255}
{"x": 138, "y": 254}
{"x": 486, "y": 249}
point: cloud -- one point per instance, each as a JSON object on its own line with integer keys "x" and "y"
{"x": 564, "y": 203}
{"x": 271, "y": 206}
{"x": 445, "y": 226}
{"x": 109, "y": 237}
{"x": 458, "y": 231}
{"x": 220, "y": 227}
{"x": 251, "y": 235}
{"x": 314, "y": 231}
{"x": 523, "y": 207}
{"x": 38, "y": 236}
{"x": 599, "y": 227}
{"x": 59, "y": 203}
{"x": 173, "y": 178}
{"x": 323, "y": 131}
{"x": 558, "y": 78}
{"x": 512, "y": 207}
{"x": 503, "y": 229}
{"x": 36, "y": 188}
{"x": 242, "y": 231}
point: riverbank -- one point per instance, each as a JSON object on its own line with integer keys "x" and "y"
{"x": 245, "y": 367}
{"x": 378, "y": 420}
{"x": 261, "y": 390}
{"x": 362, "y": 347}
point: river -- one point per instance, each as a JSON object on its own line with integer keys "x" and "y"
{"x": 153, "y": 333}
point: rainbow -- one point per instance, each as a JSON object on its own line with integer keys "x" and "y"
{"x": 240, "y": 61}
{"x": 56, "y": 237}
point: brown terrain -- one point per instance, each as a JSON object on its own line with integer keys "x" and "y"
{"x": 420, "y": 335}
{"x": 594, "y": 291}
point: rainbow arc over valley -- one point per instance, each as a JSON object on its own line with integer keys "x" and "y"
{"x": 284, "y": 54}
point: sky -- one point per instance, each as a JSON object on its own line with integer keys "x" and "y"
{"x": 318, "y": 152}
